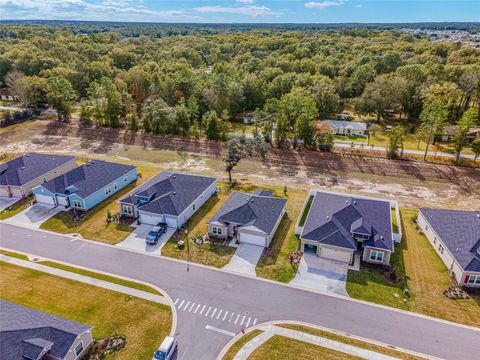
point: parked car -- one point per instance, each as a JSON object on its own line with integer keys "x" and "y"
{"x": 155, "y": 233}
{"x": 166, "y": 350}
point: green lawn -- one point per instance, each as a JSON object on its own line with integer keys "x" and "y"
{"x": 94, "y": 225}
{"x": 144, "y": 323}
{"x": 350, "y": 139}
{"x": 230, "y": 354}
{"x": 18, "y": 207}
{"x": 423, "y": 273}
{"x": 394, "y": 220}
{"x": 306, "y": 211}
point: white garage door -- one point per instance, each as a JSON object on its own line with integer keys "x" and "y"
{"x": 62, "y": 200}
{"x": 4, "y": 191}
{"x": 16, "y": 191}
{"x": 150, "y": 219}
{"x": 252, "y": 239}
{"x": 338, "y": 255}
{"x": 171, "y": 221}
{"x": 45, "y": 199}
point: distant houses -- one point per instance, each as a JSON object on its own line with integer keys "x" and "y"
{"x": 7, "y": 94}
{"x": 449, "y": 132}
{"x": 340, "y": 127}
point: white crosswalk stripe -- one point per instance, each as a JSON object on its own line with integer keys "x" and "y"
{"x": 215, "y": 313}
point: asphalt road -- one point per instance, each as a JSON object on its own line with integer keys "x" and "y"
{"x": 202, "y": 336}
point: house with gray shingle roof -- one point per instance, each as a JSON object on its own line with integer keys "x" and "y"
{"x": 169, "y": 197}
{"x": 26, "y": 333}
{"x": 455, "y": 236}
{"x": 341, "y": 127}
{"x": 339, "y": 226}
{"x": 20, "y": 175}
{"x": 86, "y": 186}
{"x": 248, "y": 218}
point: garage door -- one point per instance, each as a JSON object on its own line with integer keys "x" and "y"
{"x": 150, "y": 219}
{"x": 45, "y": 199}
{"x": 338, "y": 255}
{"x": 16, "y": 191}
{"x": 4, "y": 191}
{"x": 252, "y": 239}
{"x": 62, "y": 200}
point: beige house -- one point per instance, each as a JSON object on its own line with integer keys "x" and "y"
{"x": 248, "y": 218}
{"x": 19, "y": 176}
{"x": 455, "y": 236}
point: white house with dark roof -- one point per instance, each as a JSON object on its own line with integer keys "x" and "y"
{"x": 341, "y": 127}
{"x": 26, "y": 333}
{"x": 455, "y": 236}
{"x": 248, "y": 218}
{"x": 169, "y": 197}
{"x": 20, "y": 175}
{"x": 338, "y": 226}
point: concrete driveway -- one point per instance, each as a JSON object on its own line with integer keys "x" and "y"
{"x": 245, "y": 259}
{"x": 321, "y": 274}
{"x": 136, "y": 240}
{"x": 33, "y": 216}
{"x": 5, "y": 202}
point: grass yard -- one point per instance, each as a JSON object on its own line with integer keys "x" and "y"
{"x": 230, "y": 354}
{"x": 350, "y": 139}
{"x": 350, "y": 341}
{"x": 307, "y": 210}
{"x": 144, "y": 323}
{"x": 426, "y": 278}
{"x": 279, "y": 347}
{"x": 394, "y": 220}
{"x": 94, "y": 226}
{"x": 17, "y": 207}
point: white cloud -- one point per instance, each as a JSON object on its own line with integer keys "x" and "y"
{"x": 114, "y": 10}
{"x": 246, "y": 2}
{"x": 359, "y": 5}
{"x": 323, "y": 4}
{"x": 252, "y": 10}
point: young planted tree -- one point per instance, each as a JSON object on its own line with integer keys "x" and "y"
{"x": 466, "y": 122}
{"x": 433, "y": 117}
{"x": 233, "y": 157}
{"x": 396, "y": 137}
{"x": 325, "y": 142}
{"x": 476, "y": 147}
{"x": 213, "y": 126}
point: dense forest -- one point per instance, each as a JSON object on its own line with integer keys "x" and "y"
{"x": 192, "y": 80}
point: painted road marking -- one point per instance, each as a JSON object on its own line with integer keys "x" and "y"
{"x": 225, "y": 316}
{"x": 191, "y": 307}
{"x": 213, "y": 314}
{"x": 186, "y": 305}
{"x": 254, "y": 321}
{"x": 243, "y": 319}
{"x": 176, "y": 301}
{"x": 198, "y": 307}
{"x": 221, "y": 331}
{"x": 236, "y": 320}
{"x": 248, "y": 322}
{"x": 209, "y": 308}
{"x": 203, "y": 308}
{"x": 231, "y": 316}
{"x": 219, "y": 313}
{"x": 179, "y": 306}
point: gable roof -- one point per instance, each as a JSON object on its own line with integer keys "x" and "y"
{"x": 460, "y": 232}
{"x": 333, "y": 217}
{"x": 88, "y": 178}
{"x": 25, "y": 168}
{"x": 169, "y": 192}
{"x": 29, "y": 332}
{"x": 341, "y": 124}
{"x": 244, "y": 209}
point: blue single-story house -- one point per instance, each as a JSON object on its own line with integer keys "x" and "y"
{"x": 87, "y": 185}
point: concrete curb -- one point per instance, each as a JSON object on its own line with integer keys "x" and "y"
{"x": 191, "y": 264}
{"x": 260, "y": 326}
{"x": 161, "y": 291}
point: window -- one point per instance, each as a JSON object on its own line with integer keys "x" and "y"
{"x": 127, "y": 209}
{"x": 115, "y": 186}
{"x": 376, "y": 255}
{"x": 194, "y": 207}
{"x": 426, "y": 227}
{"x": 441, "y": 248}
{"x": 217, "y": 230}
{"x": 108, "y": 190}
{"x": 473, "y": 279}
{"x": 44, "y": 179}
{"x": 76, "y": 203}
{"x": 435, "y": 240}
{"x": 79, "y": 348}
{"x": 125, "y": 179}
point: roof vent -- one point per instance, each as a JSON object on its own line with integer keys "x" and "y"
{"x": 88, "y": 163}
{"x": 328, "y": 216}
{"x": 252, "y": 199}
{"x": 174, "y": 176}
{"x": 23, "y": 167}
{"x": 93, "y": 161}
{"x": 27, "y": 155}
{"x": 354, "y": 202}
{"x": 174, "y": 193}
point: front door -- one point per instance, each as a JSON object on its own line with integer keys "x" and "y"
{"x": 311, "y": 249}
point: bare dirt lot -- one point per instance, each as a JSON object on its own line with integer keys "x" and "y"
{"x": 413, "y": 183}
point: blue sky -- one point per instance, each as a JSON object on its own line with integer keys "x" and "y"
{"x": 253, "y": 11}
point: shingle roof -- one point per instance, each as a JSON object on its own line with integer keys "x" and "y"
{"x": 340, "y": 124}
{"x": 333, "y": 217}
{"x": 88, "y": 178}
{"x": 250, "y": 209}
{"x": 460, "y": 232}
{"x": 170, "y": 192}
{"x": 23, "y": 169}
{"x": 28, "y": 331}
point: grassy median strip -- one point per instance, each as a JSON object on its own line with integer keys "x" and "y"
{"x": 350, "y": 341}
{"x": 14, "y": 255}
{"x": 280, "y": 347}
{"x": 144, "y": 323}
{"x": 112, "y": 279}
{"x": 232, "y": 351}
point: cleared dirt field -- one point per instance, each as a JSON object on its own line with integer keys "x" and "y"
{"x": 413, "y": 183}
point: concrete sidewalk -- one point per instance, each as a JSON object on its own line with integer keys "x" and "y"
{"x": 86, "y": 279}
{"x": 271, "y": 330}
